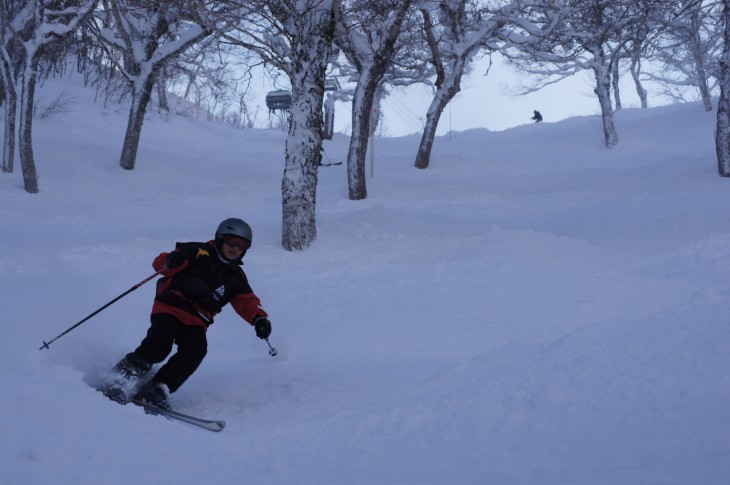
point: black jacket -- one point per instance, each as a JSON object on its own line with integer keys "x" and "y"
{"x": 203, "y": 285}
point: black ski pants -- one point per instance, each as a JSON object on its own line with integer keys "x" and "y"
{"x": 164, "y": 332}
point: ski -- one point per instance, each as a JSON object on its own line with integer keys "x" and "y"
{"x": 209, "y": 424}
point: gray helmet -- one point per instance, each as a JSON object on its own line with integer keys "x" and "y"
{"x": 235, "y": 227}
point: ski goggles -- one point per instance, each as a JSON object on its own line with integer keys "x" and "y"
{"x": 237, "y": 242}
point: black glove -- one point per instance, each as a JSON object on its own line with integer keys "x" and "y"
{"x": 174, "y": 260}
{"x": 263, "y": 327}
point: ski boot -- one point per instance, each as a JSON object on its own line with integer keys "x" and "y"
{"x": 120, "y": 383}
{"x": 155, "y": 393}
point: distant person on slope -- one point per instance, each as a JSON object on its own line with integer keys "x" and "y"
{"x": 199, "y": 279}
{"x": 536, "y": 116}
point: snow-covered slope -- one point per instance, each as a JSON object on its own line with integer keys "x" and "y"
{"x": 532, "y": 309}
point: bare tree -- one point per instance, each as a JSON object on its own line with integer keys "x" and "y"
{"x": 689, "y": 45}
{"x": 29, "y": 28}
{"x": 554, "y": 39}
{"x": 461, "y": 28}
{"x": 635, "y": 52}
{"x": 409, "y": 64}
{"x": 141, "y": 37}
{"x": 296, "y": 38}
{"x": 367, "y": 32}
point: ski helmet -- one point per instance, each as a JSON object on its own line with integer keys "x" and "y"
{"x": 234, "y": 227}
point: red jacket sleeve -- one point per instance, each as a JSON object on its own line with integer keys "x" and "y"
{"x": 248, "y": 306}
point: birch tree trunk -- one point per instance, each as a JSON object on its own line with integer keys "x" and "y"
{"x": 640, "y": 91}
{"x": 362, "y": 104}
{"x": 141, "y": 95}
{"x": 27, "y": 161}
{"x": 700, "y": 72}
{"x": 11, "y": 112}
{"x": 303, "y": 156}
{"x": 370, "y": 47}
{"x": 453, "y": 41}
{"x": 603, "y": 91}
{"x": 615, "y": 80}
{"x": 445, "y": 92}
{"x": 304, "y": 141}
{"x": 161, "y": 83}
{"x": 722, "y": 131}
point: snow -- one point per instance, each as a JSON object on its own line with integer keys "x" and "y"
{"x": 532, "y": 309}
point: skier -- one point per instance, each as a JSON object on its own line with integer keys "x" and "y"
{"x": 536, "y": 116}
{"x": 199, "y": 279}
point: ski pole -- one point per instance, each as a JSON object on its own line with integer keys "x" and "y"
{"x": 46, "y": 344}
{"x": 272, "y": 350}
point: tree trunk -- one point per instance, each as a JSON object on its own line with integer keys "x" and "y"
{"x": 162, "y": 90}
{"x": 304, "y": 141}
{"x": 140, "y": 99}
{"x": 603, "y": 91}
{"x": 615, "y": 82}
{"x": 444, "y": 94}
{"x": 11, "y": 113}
{"x": 328, "y": 131}
{"x": 27, "y": 161}
{"x": 362, "y": 104}
{"x": 722, "y": 131}
{"x": 372, "y": 65}
{"x": 700, "y": 72}
{"x": 640, "y": 91}
{"x": 303, "y": 156}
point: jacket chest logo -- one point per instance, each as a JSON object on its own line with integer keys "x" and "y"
{"x": 201, "y": 252}
{"x": 219, "y": 292}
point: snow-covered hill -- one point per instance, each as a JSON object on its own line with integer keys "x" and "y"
{"x": 532, "y": 309}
